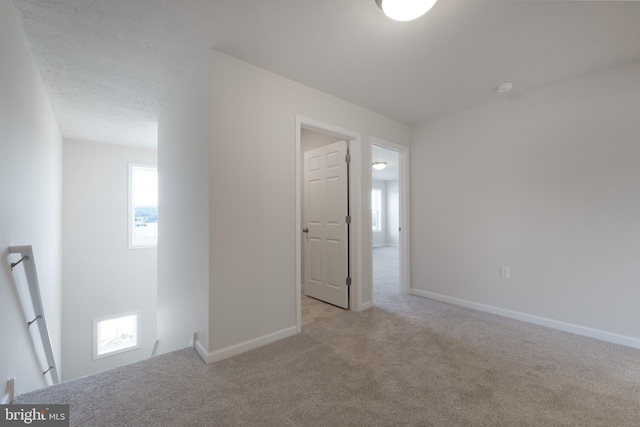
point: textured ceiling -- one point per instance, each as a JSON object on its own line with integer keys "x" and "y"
{"x": 109, "y": 66}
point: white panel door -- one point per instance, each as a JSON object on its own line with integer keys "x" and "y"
{"x": 325, "y": 223}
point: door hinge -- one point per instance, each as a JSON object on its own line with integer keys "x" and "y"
{"x": 347, "y": 158}
{"x": 348, "y": 281}
{"x": 348, "y": 219}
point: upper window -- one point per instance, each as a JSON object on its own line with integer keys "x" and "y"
{"x": 376, "y": 208}
{"x": 143, "y": 206}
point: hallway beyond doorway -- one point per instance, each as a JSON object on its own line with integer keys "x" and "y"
{"x": 386, "y": 269}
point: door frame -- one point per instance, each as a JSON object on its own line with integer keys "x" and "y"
{"x": 355, "y": 205}
{"x": 403, "y": 183}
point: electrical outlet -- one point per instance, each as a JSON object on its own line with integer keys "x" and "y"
{"x": 505, "y": 272}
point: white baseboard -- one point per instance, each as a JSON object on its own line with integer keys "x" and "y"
{"x": 242, "y": 347}
{"x": 365, "y": 306}
{"x": 7, "y": 399}
{"x": 201, "y": 351}
{"x": 537, "y": 320}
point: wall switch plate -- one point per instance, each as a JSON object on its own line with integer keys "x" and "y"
{"x": 505, "y": 272}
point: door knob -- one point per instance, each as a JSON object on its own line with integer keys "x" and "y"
{"x": 305, "y": 230}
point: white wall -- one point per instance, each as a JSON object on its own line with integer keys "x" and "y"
{"x": 253, "y": 196}
{"x": 101, "y": 276}
{"x": 30, "y": 202}
{"x": 310, "y": 140}
{"x": 547, "y": 184}
{"x": 393, "y": 213}
{"x": 183, "y": 214}
{"x": 380, "y": 237}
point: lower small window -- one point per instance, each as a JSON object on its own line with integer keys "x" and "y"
{"x": 115, "y": 334}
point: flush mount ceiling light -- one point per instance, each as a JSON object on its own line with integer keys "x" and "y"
{"x": 405, "y": 10}
{"x": 379, "y": 165}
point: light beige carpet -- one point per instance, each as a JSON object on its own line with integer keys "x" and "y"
{"x": 406, "y": 362}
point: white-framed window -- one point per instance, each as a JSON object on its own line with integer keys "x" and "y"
{"x": 115, "y": 334}
{"x": 376, "y": 210}
{"x": 143, "y": 206}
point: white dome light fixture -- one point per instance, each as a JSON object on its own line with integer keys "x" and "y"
{"x": 379, "y": 165}
{"x": 405, "y": 10}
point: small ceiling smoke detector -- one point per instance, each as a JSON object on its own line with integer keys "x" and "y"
{"x": 505, "y": 87}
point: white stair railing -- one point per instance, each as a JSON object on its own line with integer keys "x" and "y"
{"x": 27, "y": 260}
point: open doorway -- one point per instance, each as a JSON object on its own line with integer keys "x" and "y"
{"x": 389, "y": 218}
{"x": 324, "y": 191}
{"x": 329, "y": 134}
{"x": 385, "y": 219}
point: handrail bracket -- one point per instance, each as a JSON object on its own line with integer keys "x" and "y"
{"x": 14, "y": 264}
